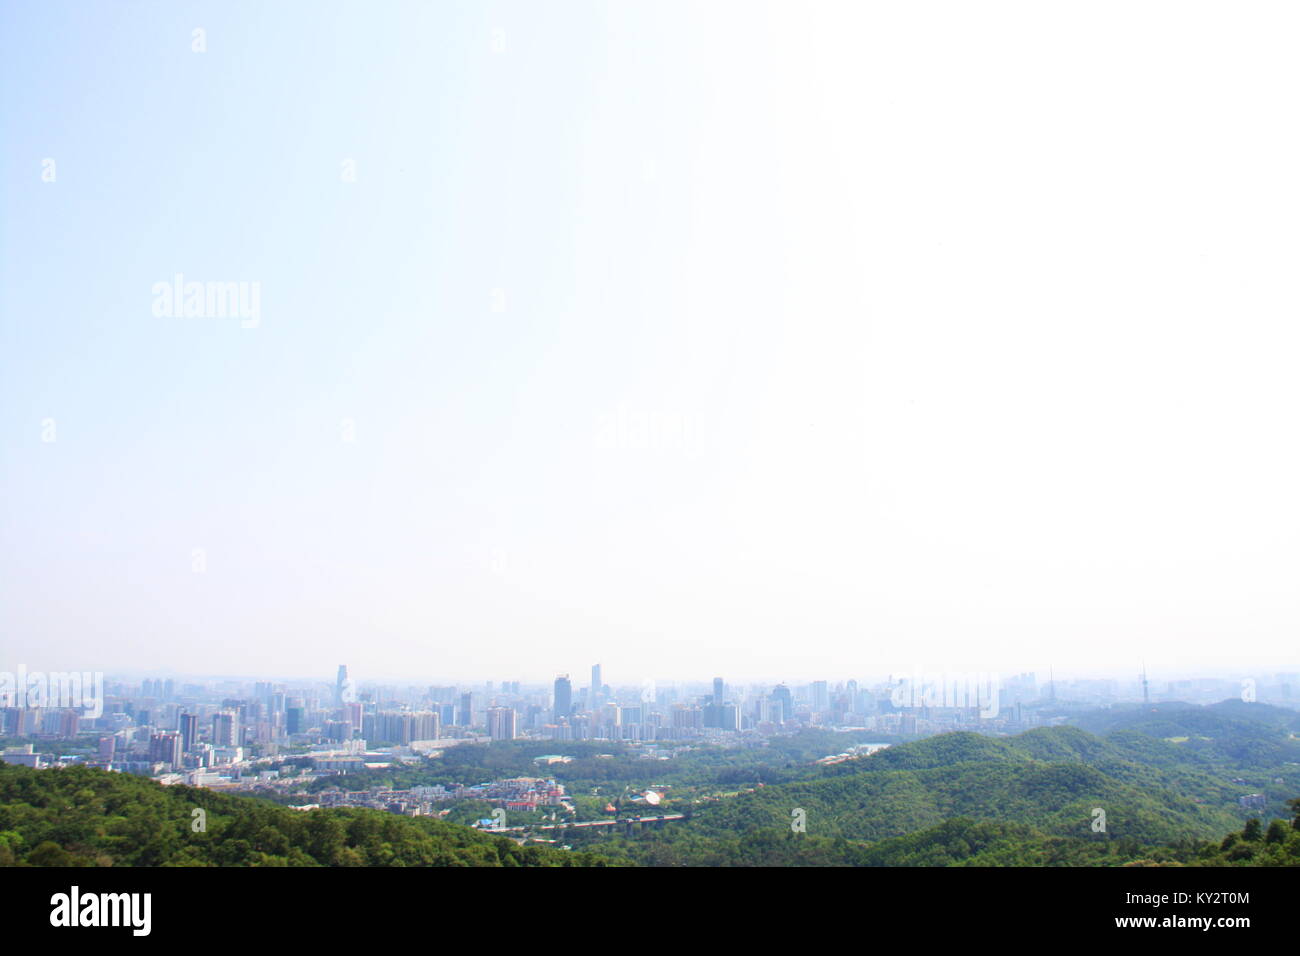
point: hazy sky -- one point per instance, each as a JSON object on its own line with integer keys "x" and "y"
{"x": 806, "y": 340}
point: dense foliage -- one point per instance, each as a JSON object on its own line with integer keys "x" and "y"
{"x": 80, "y": 816}
{"x": 1168, "y": 780}
{"x": 610, "y": 766}
{"x": 966, "y": 799}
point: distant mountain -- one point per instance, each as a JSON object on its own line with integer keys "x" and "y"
{"x": 1230, "y": 732}
{"x": 1053, "y": 780}
{"x": 956, "y": 799}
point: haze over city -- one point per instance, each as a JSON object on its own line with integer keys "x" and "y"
{"x": 645, "y": 436}
{"x": 578, "y": 340}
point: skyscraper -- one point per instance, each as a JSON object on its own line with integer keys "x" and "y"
{"x": 781, "y": 694}
{"x": 729, "y": 716}
{"x": 501, "y": 723}
{"x": 165, "y": 748}
{"x": 597, "y": 687}
{"x": 295, "y": 716}
{"x": 189, "y": 727}
{"x": 717, "y": 692}
{"x": 225, "y": 729}
{"x": 563, "y": 696}
{"x": 821, "y": 697}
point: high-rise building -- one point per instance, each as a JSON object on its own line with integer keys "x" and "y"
{"x": 466, "y": 709}
{"x": 166, "y": 748}
{"x": 717, "y": 691}
{"x": 189, "y": 731}
{"x": 729, "y": 716}
{"x": 781, "y": 694}
{"x": 610, "y": 719}
{"x": 821, "y": 697}
{"x": 295, "y": 716}
{"x": 687, "y": 717}
{"x": 597, "y": 687}
{"x": 563, "y": 697}
{"x": 501, "y": 723}
{"x": 225, "y": 729}
{"x": 353, "y": 713}
{"x": 400, "y": 726}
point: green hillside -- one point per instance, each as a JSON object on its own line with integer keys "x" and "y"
{"x": 1232, "y": 733}
{"x": 967, "y": 799}
{"x": 1050, "y": 779}
{"x": 958, "y": 799}
{"x": 80, "y": 816}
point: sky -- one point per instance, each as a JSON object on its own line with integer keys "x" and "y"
{"x": 790, "y": 340}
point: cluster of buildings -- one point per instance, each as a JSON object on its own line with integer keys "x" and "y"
{"x": 234, "y": 731}
{"x": 515, "y": 793}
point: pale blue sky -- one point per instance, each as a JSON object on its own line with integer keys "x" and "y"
{"x": 972, "y": 335}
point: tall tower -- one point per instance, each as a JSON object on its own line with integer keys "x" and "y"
{"x": 189, "y": 731}
{"x": 1146, "y": 689}
{"x": 563, "y": 696}
{"x": 717, "y": 692}
{"x": 341, "y": 685}
{"x": 785, "y": 702}
{"x": 597, "y": 687}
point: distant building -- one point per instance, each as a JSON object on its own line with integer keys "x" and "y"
{"x": 563, "y": 697}
{"x": 165, "y": 748}
{"x": 401, "y": 726}
{"x": 821, "y": 698}
{"x": 501, "y": 723}
{"x": 781, "y": 694}
{"x": 189, "y": 729}
{"x": 225, "y": 729}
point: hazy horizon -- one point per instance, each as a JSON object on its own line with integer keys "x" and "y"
{"x": 727, "y": 338}
{"x": 580, "y": 677}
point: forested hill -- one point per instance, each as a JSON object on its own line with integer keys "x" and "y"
{"x": 1053, "y": 780}
{"x": 954, "y": 799}
{"x": 963, "y": 799}
{"x": 79, "y": 816}
{"x": 1230, "y": 733}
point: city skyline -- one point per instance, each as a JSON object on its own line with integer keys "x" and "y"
{"x": 1134, "y": 673}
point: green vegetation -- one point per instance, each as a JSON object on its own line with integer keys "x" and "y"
{"x": 1168, "y": 779}
{"x": 80, "y": 816}
{"x": 1230, "y": 734}
{"x": 966, "y": 799}
{"x": 601, "y": 771}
